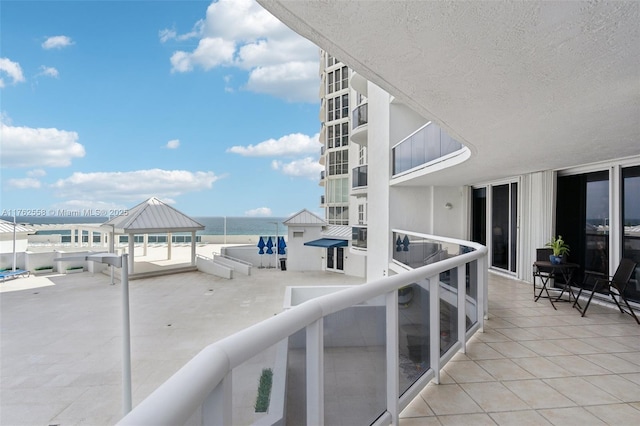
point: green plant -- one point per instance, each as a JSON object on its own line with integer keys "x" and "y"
{"x": 264, "y": 390}
{"x": 71, "y": 268}
{"x": 42, "y": 268}
{"x": 559, "y": 247}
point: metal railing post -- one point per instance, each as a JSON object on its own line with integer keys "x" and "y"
{"x": 462, "y": 306}
{"x": 315, "y": 373}
{"x": 434, "y": 326}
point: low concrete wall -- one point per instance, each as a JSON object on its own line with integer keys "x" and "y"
{"x": 250, "y": 254}
{"x": 239, "y": 267}
{"x": 210, "y": 267}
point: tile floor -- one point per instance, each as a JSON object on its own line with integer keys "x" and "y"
{"x": 537, "y": 366}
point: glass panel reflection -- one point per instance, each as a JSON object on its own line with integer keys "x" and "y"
{"x": 448, "y": 309}
{"x": 354, "y": 364}
{"x": 413, "y": 333}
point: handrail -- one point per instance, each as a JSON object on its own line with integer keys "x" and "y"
{"x": 191, "y": 386}
{"x": 234, "y": 259}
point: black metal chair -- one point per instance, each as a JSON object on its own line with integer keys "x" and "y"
{"x": 542, "y": 273}
{"x": 614, "y": 287}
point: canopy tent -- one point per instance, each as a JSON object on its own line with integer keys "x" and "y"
{"x": 150, "y": 217}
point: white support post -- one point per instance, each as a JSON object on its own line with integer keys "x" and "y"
{"x": 193, "y": 248}
{"x": 434, "y": 320}
{"x": 132, "y": 249}
{"x": 483, "y": 292}
{"x": 126, "y": 339}
{"x": 393, "y": 381}
{"x": 145, "y": 244}
{"x": 217, "y": 408}
{"x": 169, "y": 241}
{"x": 462, "y": 306}
{"x": 315, "y": 373}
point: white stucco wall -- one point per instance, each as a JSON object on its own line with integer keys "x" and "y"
{"x": 301, "y": 257}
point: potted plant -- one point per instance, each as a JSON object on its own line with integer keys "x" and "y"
{"x": 44, "y": 269}
{"x": 559, "y": 247}
{"x": 74, "y": 269}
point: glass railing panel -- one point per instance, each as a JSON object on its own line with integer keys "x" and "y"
{"x": 360, "y": 116}
{"x": 448, "y": 309}
{"x": 415, "y": 251}
{"x": 296, "y": 408}
{"x": 255, "y": 393}
{"x": 354, "y": 364}
{"x": 425, "y": 145}
{"x": 471, "y": 304}
{"x": 359, "y": 237}
{"x": 413, "y": 333}
{"x": 359, "y": 176}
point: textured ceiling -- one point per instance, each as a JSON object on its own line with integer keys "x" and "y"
{"x": 527, "y": 86}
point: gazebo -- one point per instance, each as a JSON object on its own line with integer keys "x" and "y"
{"x": 152, "y": 217}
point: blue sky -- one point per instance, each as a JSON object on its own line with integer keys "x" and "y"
{"x": 212, "y": 107}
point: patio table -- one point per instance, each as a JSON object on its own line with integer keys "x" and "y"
{"x": 566, "y": 270}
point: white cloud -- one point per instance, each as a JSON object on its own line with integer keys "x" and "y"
{"x": 173, "y": 144}
{"x": 48, "y": 71}
{"x": 260, "y": 211}
{"x": 307, "y": 167}
{"x": 36, "y": 173}
{"x": 24, "y": 183}
{"x": 12, "y": 69}
{"x": 293, "y": 144}
{"x": 240, "y": 33}
{"x": 38, "y": 147}
{"x": 57, "y": 42}
{"x": 132, "y": 186}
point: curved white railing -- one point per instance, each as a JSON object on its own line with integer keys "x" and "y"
{"x": 205, "y": 381}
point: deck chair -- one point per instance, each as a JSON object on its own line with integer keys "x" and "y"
{"x": 541, "y": 273}
{"x": 614, "y": 287}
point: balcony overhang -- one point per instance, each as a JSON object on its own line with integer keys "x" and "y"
{"x": 526, "y": 86}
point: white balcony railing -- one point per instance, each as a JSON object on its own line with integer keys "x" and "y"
{"x": 202, "y": 389}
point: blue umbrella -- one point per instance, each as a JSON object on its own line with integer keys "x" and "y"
{"x": 261, "y": 246}
{"x": 281, "y": 246}
{"x": 405, "y": 243}
{"x": 269, "y": 246}
{"x": 398, "y": 244}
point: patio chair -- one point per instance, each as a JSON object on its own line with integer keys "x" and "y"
{"x": 542, "y": 273}
{"x": 614, "y": 287}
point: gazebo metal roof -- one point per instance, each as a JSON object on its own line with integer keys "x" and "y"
{"x": 153, "y": 216}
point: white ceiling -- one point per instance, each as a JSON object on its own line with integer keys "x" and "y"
{"x": 527, "y": 86}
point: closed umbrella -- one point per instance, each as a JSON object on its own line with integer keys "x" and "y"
{"x": 269, "y": 249}
{"x": 261, "y": 246}
{"x": 281, "y": 246}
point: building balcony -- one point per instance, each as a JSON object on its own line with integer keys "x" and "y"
{"x": 359, "y": 177}
{"x": 322, "y": 204}
{"x": 359, "y": 237}
{"x": 323, "y": 157}
{"x": 323, "y": 174}
{"x": 359, "y": 121}
{"x": 358, "y": 83}
{"x": 427, "y": 146}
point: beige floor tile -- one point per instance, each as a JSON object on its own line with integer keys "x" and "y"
{"x": 632, "y": 357}
{"x": 417, "y": 408}
{"x": 581, "y": 392}
{"x": 538, "y": 394}
{"x": 449, "y": 399}
{"x": 479, "y": 350}
{"x": 512, "y": 349}
{"x": 494, "y": 396}
{"x": 616, "y": 414}
{"x": 576, "y": 346}
{"x": 504, "y": 369}
{"x": 618, "y": 386}
{"x": 467, "y": 372}
{"x": 612, "y": 363}
{"x": 545, "y": 348}
{"x": 518, "y": 334}
{"x": 542, "y": 367}
{"x": 577, "y": 366}
{"x": 519, "y": 418}
{"x": 633, "y": 377}
{"x": 480, "y": 419}
{"x": 571, "y": 416}
{"x": 420, "y": 421}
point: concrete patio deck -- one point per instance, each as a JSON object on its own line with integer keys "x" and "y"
{"x": 61, "y": 354}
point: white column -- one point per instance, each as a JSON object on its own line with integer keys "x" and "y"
{"x": 193, "y": 248}
{"x": 145, "y": 244}
{"x": 169, "y": 239}
{"x": 132, "y": 249}
{"x": 90, "y": 237}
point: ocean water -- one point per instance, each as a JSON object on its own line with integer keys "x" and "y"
{"x": 214, "y": 225}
